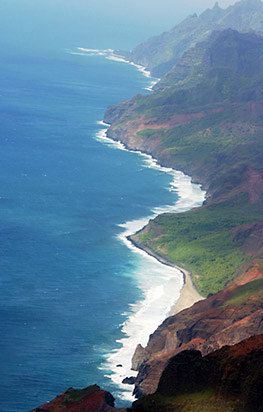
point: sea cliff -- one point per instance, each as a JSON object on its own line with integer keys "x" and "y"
{"x": 227, "y": 380}
{"x": 210, "y": 128}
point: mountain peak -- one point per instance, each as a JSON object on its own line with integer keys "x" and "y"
{"x": 216, "y": 6}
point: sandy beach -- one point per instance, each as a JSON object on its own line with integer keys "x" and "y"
{"x": 188, "y": 295}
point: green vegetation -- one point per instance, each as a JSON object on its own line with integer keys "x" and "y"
{"x": 252, "y": 290}
{"x": 76, "y": 395}
{"x": 151, "y": 133}
{"x": 211, "y": 105}
{"x": 201, "y": 240}
{"x": 194, "y": 402}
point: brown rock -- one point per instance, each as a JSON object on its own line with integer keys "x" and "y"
{"x": 228, "y": 317}
{"x": 140, "y": 356}
{"x": 229, "y": 379}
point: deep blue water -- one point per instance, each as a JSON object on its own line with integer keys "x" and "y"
{"x": 66, "y": 279}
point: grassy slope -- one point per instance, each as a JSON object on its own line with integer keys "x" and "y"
{"x": 201, "y": 240}
{"x": 217, "y": 147}
{"x": 203, "y": 401}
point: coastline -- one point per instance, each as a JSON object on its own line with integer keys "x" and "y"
{"x": 188, "y": 294}
{"x": 110, "y": 54}
{"x": 190, "y": 195}
{"x": 179, "y": 295}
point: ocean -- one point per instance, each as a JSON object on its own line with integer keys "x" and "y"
{"x": 76, "y": 297}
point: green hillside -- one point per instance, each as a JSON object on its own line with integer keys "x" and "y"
{"x": 208, "y": 122}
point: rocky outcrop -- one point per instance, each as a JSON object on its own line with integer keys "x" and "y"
{"x": 230, "y": 379}
{"x": 140, "y": 356}
{"x": 234, "y": 314}
{"x": 90, "y": 399}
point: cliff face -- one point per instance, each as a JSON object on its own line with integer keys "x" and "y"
{"x": 234, "y": 314}
{"x": 229, "y": 379}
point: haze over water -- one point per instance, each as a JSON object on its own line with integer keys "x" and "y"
{"x": 69, "y": 284}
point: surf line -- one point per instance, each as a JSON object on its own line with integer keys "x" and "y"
{"x": 160, "y": 284}
{"x": 110, "y": 54}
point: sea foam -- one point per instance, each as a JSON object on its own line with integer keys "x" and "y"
{"x": 160, "y": 284}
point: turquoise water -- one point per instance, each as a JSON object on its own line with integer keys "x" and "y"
{"x": 67, "y": 280}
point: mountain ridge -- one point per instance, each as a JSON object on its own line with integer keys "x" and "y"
{"x": 160, "y": 53}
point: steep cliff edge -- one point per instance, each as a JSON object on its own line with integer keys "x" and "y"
{"x": 234, "y": 314}
{"x": 227, "y": 380}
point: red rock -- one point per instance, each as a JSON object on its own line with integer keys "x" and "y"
{"x": 91, "y": 399}
{"x": 208, "y": 325}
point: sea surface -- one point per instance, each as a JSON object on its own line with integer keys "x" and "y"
{"x": 75, "y": 297}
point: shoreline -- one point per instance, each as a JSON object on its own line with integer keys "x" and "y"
{"x": 110, "y": 54}
{"x": 189, "y": 195}
{"x": 188, "y": 294}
